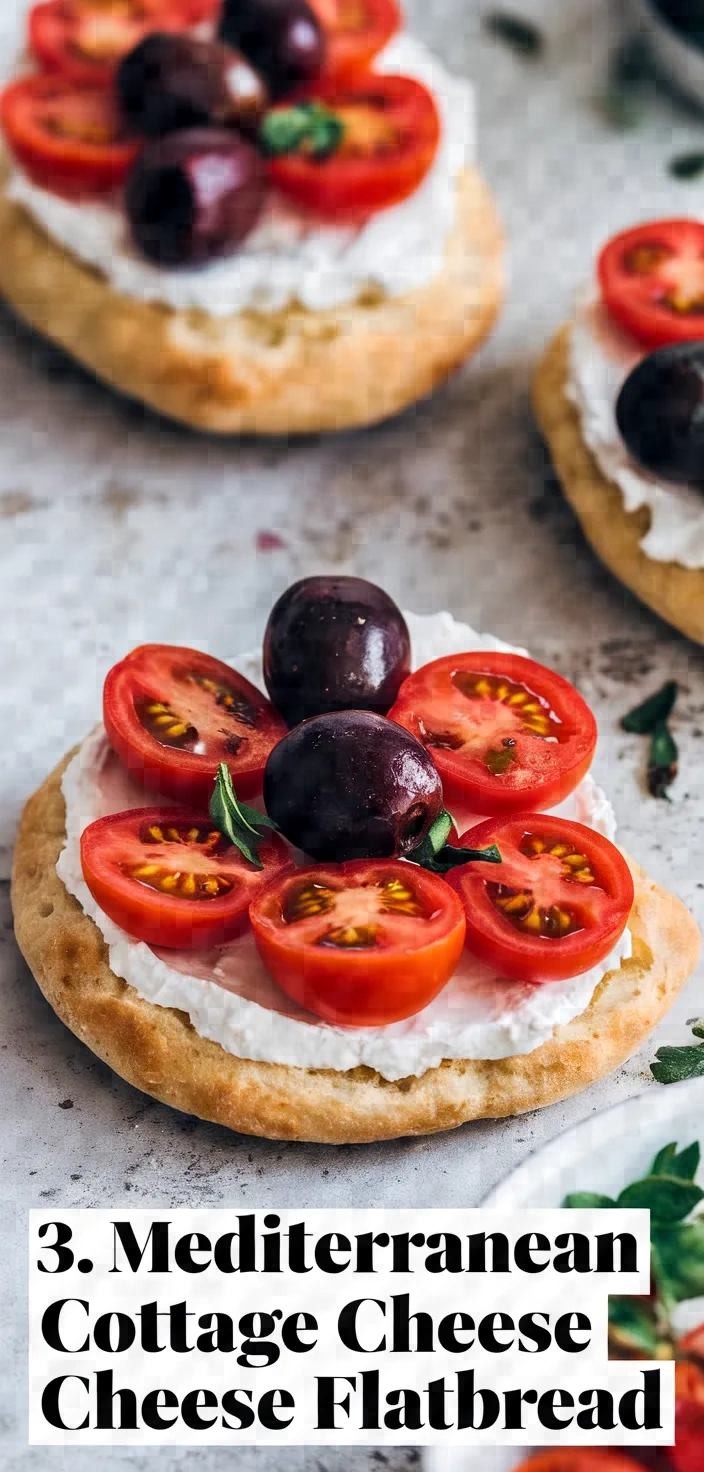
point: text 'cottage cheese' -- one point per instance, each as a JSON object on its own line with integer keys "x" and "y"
{"x": 289, "y": 257}
{"x": 601, "y": 358}
{"x": 232, "y": 1000}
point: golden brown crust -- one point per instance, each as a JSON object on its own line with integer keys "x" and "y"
{"x": 157, "y": 1050}
{"x": 675, "y": 592}
{"x": 292, "y": 372}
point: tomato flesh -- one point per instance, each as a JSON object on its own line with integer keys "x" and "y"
{"x": 391, "y": 132}
{"x": 173, "y": 715}
{"x": 360, "y": 944}
{"x": 554, "y": 907}
{"x": 652, "y": 281}
{"x": 355, "y": 32}
{"x": 506, "y": 734}
{"x": 86, "y": 41}
{"x": 69, "y": 138}
{"x": 579, "y": 1459}
{"x": 169, "y": 878}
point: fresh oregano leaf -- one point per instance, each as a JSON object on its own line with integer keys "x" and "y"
{"x": 674, "y": 1065}
{"x": 633, "y": 1327}
{"x": 684, "y": 1166}
{"x": 652, "y": 712}
{"x": 662, "y": 761}
{"x": 245, "y": 827}
{"x": 515, "y": 31}
{"x": 310, "y": 128}
{"x": 588, "y": 1201}
{"x": 687, "y": 166}
{"x": 678, "y": 1260}
{"x": 667, "y": 1198}
{"x": 628, "y": 83}
{"x": 437, "y": 855}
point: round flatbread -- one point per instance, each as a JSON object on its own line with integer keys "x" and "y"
{"x": 157, "y": 1049}
{"x": 675, "y": 592}
{"x": 289, "y": 372}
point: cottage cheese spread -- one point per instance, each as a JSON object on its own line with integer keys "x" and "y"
{"x": 601, "y": 358}
{"x": 290, "y": 257}
{"x": 231, "y": 999}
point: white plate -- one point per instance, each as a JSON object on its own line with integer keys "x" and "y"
{"x": 601, "y": 1154}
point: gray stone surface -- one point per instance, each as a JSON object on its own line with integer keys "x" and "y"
{"x": 116, "y": 528}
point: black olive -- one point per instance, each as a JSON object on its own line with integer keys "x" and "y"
{"x": 170, "y": 82}
{"x": 660, "y": 412}
{"x": 334, "y": 644}
{"x": 193, "y": 196}
{"x": 352, "y": 785}
{"x": 283, "y": 39}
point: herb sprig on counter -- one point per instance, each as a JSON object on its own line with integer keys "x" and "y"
{"x": 521, "y": 35}
{"x": 673, "y": 1065}
{"x": 669, "y": 1191}
{"x": 651, "y": 719}
{"x": 242, "y": 825}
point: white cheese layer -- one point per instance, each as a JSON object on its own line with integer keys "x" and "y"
{"x": 231, "y": 999}
{"x": 601, "y": 358}
{"x": 290, "y": 257}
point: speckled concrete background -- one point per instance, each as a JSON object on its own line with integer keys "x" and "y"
{"x": 115, "y": 528}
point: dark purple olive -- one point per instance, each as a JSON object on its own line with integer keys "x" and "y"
{"x": 660, "y": 412}
{"x": 283, "y": 39}
{"x": 352, "y": 785}
{"x": 334, "y": 644}
{"x": 193, "y": 196}
{"x": 171, "y": 81}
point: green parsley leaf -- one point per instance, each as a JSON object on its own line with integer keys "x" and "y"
{"x": 667, "y": 1198}
{"x": 308, "y": 128}
{"x": 652, "y": 712}
{"x": 437, "y": 855}
{"x": 515, "y": 31}
{"x": 588, "y": 1200}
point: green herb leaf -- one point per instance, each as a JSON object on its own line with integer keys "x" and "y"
{"x": 633, "y": 1326}
{"x": 652, "y": 712}
{"x": 674, "y": 1065}
{"x": 309, "y": 128}
{"x": 687, "y": 166}
{"x": 684, "y": 1166}
{"x": 628, "y": 83}
{"x": 437, "y": 855}
{"x": 588, "y": 1200}
{"x": 678, "y": 1260}
{"x": 667, "y": 1198}
{"x": 245, "y": 827}
{"x": 520, "y": 34}
{"x": 662, "y": 761}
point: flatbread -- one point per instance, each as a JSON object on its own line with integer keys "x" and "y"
{"x": 675, "y": 592}
{"x": 290, "y": 372}
{"x": 158, "y": 1051}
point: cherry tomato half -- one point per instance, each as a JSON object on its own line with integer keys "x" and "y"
{"x": 506, "y": 734}
{"x": 390, "y": 135}
{"x": 173, "y": 715}
{"x": 363, "y": 943}
{"x": 86, "y": 41}
{"x": 170, "y": 878}
{"x": 554, "y": 907}
{"x": 355, "y": 32}
{"x": 579, "y": 1459}
{"x": 652, "y": 281}
{"x": 69, "y": 138}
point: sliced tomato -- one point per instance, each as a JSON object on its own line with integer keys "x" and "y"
{"x": 390, "y": 134}
{"x": 363, "y": 943}
{"x": 173, "y": 715}
{"x": 652, "y": 281}
{"x": 355, "y": 32}
{"x": 506, "y": 734}
{"x": 687, "y": 1455}
{"x": 693, "y": 1344}
{"x": 169, "y": 878}
{"x": 554, "y": 907}
{"x": 87, "y": 39}
{"x": 579, "y": 1459}
{"x": 68, "y": 137}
